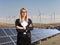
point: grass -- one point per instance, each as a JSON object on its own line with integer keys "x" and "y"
{"x": 6, "y": 24}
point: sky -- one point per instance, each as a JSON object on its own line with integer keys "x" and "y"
{"x": 34, "y": 7}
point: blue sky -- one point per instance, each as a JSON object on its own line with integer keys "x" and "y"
{"x": 12, "y": 7}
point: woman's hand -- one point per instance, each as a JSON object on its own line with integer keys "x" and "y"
{"x": 24, "y": 27}
{"x": 30, "y": 25}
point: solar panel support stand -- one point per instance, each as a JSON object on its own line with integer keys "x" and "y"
{"x": 40, "y": 42}
{"x": 47, "y": 38}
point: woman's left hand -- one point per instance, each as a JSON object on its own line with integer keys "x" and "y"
{"x": 30, "y": 25}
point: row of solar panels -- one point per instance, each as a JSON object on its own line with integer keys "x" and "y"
{"x": 8, "y": 36}
{"x": 39, "y": 34}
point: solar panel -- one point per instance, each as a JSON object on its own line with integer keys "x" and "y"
{"x": 10, "y": 43}
{"x": 39, "y": 34}
{"x": 14, "y": 31}
{"x": 2, "y": 33}
{"x": 8, "y": 32}
{"x": 4, "y": 39}
{"x": 8, "y": 35}
{"x": 14, "y": 37}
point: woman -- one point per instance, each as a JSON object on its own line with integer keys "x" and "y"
{"x": 23, "y": 26}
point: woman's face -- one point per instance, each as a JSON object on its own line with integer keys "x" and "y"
{"x": 23, "y": 13}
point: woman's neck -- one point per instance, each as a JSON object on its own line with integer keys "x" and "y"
{"x": 23, "y": 18}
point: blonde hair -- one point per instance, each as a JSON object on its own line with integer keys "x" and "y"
{"x": 26, "y": 18}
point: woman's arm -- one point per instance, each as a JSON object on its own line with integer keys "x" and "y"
{"x": 30, "y": 27}
{"x": 18, "y": 27}
{"x": 17, "y": 24}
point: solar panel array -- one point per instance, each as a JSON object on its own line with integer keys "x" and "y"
{"x": 8, "y": 35}
{"x": 39, "y": 34}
